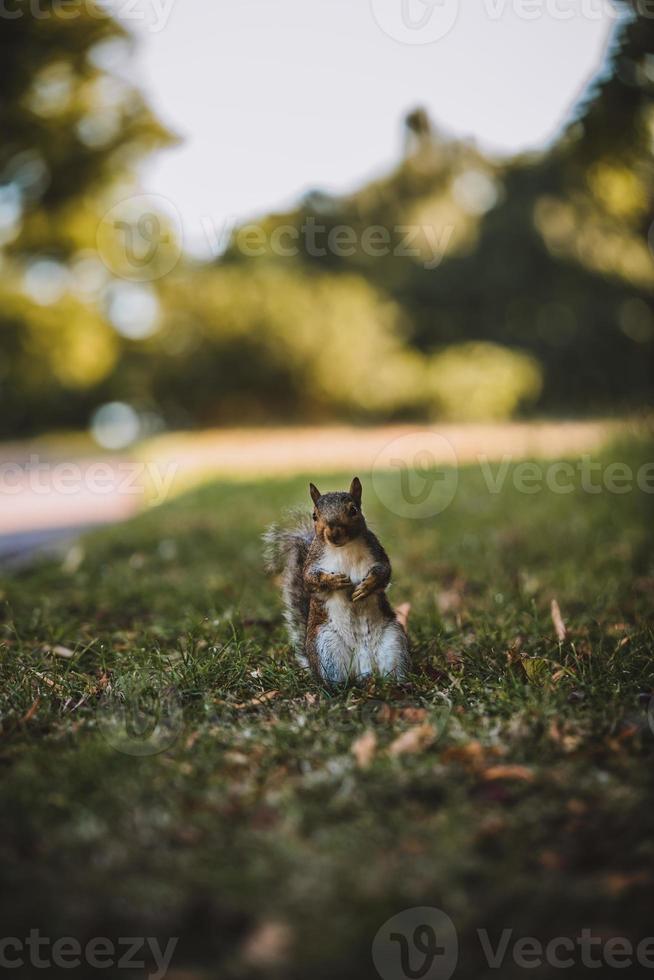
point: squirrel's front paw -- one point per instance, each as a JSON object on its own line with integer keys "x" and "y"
{"x": 364, "y": 589}
{"x": 338, "y": 581}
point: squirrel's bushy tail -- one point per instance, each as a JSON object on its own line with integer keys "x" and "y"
{"x": 285, "y": 551}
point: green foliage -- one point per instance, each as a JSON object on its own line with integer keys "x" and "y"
{"x": 544, "y": 261}
{"x": 482, "y": 381}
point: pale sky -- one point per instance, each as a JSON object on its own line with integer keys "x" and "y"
{"x": 275, "y": 97}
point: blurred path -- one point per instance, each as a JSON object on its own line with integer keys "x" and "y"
{"x": 285, "y": 451}
{"x": 50, "y": 491}
{"x": 48, "y": 498}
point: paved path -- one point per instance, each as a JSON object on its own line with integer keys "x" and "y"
{"x": 47, "y": 494}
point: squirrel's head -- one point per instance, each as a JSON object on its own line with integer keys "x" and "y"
{"x": 337, "y": 517}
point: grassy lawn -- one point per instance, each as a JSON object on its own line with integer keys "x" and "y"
{"x": 509, "y": 783}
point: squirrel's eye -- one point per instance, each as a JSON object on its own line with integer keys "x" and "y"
{"x": 353, "y": 511}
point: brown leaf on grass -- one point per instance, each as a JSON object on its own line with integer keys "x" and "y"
{"x": 569, "y": 741}
{"x": 255, "y": 701}
{"x": 402, "y": 615}
{"x": 384, "y": 714}
{"x": 234, "y": 758}
{"x": 310, "y": 698}
{"x": 268, "y": 945}
{"x": 192, "y": 739}
{"x": 490, "y": 826}
{"x": 557, "y": 620}
{"x": 513, "y": 653}
{"x": 617, "y": 883}
{"x": 473, "y": 755}
{"x": 48, "y": 680}
{"x": 550, "y": 860}
{"x": 412, "y": 714}
{"x": 414, "y": 740}
{"x": 628, "y": 731}
{"x": 449, "y": 601}
{"x": 388, "y": 714}
{"x": 363, "y": 749}
{"x": 522, "y": 773}
{"x": 29, "y": 714}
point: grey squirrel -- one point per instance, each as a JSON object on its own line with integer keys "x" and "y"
{"x": 334, "y": 576}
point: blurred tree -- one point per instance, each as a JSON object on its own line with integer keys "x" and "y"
{"x": 494, "y": 282}
{"x": 73, "y": 130}
{"x": 71, "y": 123}
{"x": 549, "y": 254}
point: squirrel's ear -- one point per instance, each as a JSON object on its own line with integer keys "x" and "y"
{"x": 315, "y": 492}
{"x": 356, "y": 489}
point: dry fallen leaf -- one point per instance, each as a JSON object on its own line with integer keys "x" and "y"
{"x": 268, "y": 945}
{"x": 402, "y": 614}
{"x": 259, "y": 699}
{"x": 363, "y": 749}
{"x": 557, "y": 619}
{"x": 472, "y": 754}
{"x": 508, "y": 772}
{"x": 569, "y": 741}
{"x": 31, "y": 711}
{"x": 234, "y": 758}
{"x": 414, "y": 740}
{"x": 454, "y": 659}
{"x": 412, "y": 714}
{"x": 449, "y": 601}
{"x": 617, "y": 883}
{"x": 550, "y": 860}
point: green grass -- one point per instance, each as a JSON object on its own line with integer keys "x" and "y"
{"x": 257, "y": 811}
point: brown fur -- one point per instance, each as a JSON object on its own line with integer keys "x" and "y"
{"x": 337, "y": 519}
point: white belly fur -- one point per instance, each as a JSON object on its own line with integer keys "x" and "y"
{"x": 353, "y": 559}
{"x": 356, "y": 640}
